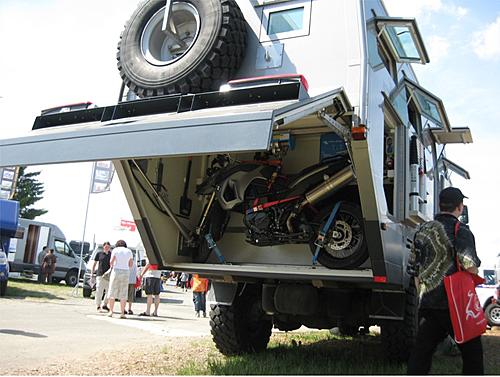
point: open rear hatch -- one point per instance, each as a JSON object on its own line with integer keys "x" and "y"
{"x": 162, "y": 138}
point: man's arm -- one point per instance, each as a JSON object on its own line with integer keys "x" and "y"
{"x": 145, "y": 269}
{"x": 465, "y": 245}
{"x": 96, "y": 261}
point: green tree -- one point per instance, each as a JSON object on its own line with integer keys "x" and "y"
{"x": 28, "y": 192}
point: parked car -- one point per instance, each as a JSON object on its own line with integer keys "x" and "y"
{"x": 489, "y": 294}
{"x": 4, "y": 272}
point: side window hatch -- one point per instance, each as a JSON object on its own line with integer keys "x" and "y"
{"x": 453, "y": 167}
{"x": 428, "y": 105}
{"x": 403, "y": 38}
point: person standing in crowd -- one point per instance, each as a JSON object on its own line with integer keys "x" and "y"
{"x": 121, "y": 263}
{"x": 102, "y": 261}
{"x": 48, "y": 266}
{"x": 152, "y": 287}
{"x": 131, "y": 285}
{"x": 41, "y": 255}
{"x": 200, "y": 288}
{"x": 184, "y": 280}
{"x": 431, "y": 259}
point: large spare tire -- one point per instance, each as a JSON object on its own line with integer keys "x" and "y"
{"x": 202, "y": 47}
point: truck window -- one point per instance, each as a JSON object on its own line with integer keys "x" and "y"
{"x": 285, "y": 20}
{"x": 63, "y": 248}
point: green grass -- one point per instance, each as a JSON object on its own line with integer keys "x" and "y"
{"x": 28, "y": 289}
{"x": 320, "y": 353}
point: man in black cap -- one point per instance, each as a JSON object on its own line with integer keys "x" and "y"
{"x": 432, "y": 257}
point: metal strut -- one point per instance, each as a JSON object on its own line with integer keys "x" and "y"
{"x": 213, "y": 246}
{"x": 320, "y": 241}
{"x": 184, "y": 231}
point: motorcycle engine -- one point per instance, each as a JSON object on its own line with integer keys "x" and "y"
{"x": 260, "y": 227}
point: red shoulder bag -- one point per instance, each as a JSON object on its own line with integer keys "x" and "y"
{"x": 467, "y": 316}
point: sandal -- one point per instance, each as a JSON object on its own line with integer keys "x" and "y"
{"x": 154, "y": 315}
{"x": 144, "y": 314}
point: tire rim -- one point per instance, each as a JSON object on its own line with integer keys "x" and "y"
{"x": 495, "y": 315}
{"x": 163, "y": 47}
{"x": 345, "y": 238}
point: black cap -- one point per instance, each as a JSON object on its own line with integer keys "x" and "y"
{"x": 451, "y": 195}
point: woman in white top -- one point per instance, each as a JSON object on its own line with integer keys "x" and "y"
{"x": 121, "y": 262}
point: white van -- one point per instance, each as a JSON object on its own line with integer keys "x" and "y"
{"x": 25, "y": 254}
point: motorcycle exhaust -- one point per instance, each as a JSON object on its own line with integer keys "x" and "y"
{"x": 330, "y": 186}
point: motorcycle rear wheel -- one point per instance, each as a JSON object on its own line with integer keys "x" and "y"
{"x": 345, "y": 242}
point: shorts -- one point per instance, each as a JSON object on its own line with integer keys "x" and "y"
{"x": 118, "y": 284}
{"x": 152, "y": 286}
{"x": 131, "y": 292}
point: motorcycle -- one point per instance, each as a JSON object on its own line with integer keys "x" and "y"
{"x": 284, "y": 209}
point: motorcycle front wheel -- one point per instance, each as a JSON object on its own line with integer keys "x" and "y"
{"x": 344, "y": 246}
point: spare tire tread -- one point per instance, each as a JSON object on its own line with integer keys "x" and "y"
{"x": 229, "y": 48}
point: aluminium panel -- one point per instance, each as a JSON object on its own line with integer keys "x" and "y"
{"x": 204, "y": 131}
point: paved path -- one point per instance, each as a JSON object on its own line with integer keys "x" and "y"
{"x": 34, "y": 333}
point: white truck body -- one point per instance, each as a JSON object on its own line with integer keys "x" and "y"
{"x": 357, "y": 61}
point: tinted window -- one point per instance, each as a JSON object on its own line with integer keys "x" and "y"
{"x": 285, "y": 21}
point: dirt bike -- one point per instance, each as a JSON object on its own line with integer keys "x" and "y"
{"x": 284, "y": 209}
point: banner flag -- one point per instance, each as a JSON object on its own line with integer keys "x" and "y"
{"x": 8, "y": 178}
{"x": 102, "y": 177}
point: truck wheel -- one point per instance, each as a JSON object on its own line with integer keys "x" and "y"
{"x": 349, "y": 330}
{"x": 492, "y": 313}
{"x": 71, "y": 278}
{"x": 3, "y": 287}
{"x": 87, "y": 292}
{"x": 241, "y": 327}
{"x": 345, "y": 243}
{"x": 398, "y": 337}
{"x": 202, "y": 47}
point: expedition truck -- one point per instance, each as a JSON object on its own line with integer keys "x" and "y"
{"x": 283, "y": 149}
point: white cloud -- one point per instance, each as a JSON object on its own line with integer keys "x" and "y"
{"x": 486, "y": 42}
{"x": 405, "y": 8}
{"x": 399, "y": 8}
{"x": 438, "y": 48}
{"x": 460, "y": 12}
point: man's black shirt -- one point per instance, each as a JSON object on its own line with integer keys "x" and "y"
{"x": 104, "y": 262}
{"x": 465, "y": 247}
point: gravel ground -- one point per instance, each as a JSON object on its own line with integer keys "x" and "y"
{"x": 164, "y": 359}
{"x": 175, "y": 353}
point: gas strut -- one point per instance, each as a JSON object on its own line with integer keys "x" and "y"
{"x": 184, "y": 231}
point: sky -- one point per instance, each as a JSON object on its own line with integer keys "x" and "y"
{"x": 58, "y": 52}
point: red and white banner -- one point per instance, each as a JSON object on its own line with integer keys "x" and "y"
{"x": 130, "y": 225}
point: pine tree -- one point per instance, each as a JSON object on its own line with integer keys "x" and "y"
{"x": 28, "y": 192}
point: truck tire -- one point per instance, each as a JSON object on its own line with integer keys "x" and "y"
{"x": 345, "y": 243}
{"x": 151, "y": 64}
{"x": 348, "y": 330}
{"x": 71, "y": 278}
{"x": 492, "y": 313}
{"x": 241, "y": 327}
{"x": 398, "y": 337}
{"x": 3, "y": 287}
{"x": 87, "y": 292}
